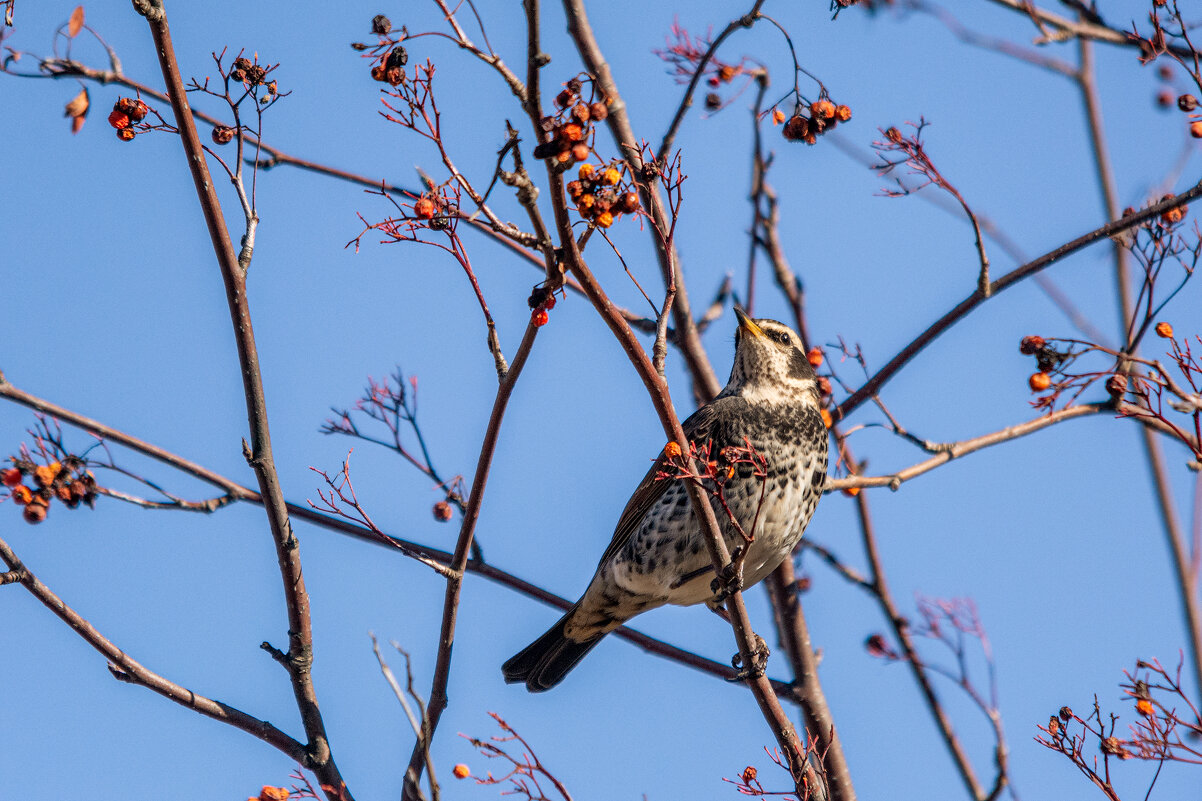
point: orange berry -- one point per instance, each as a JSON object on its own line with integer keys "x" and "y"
{"x": 580, "y": 151}
{"x": 823, "y": 108}
{"x": 571, "y": 132}
{"x": 223, "y": 134}
{"x": 118, "y": 119}
{"x": 851, "y": 492}
{"x": 893, "y": 135}
{"x": 10, "y": 477}
{"x": 461, "y": 771}
{"x": 749, "y": 774}
{"x": 827, "y": 420}
{"x": 539, "y": 318}
{"x": 778, "y": 116}
{"x": 442, "y": 511}
{"x": 797, "y": 128}
{"x": 580, "y": 112}
{"x": 1039, "y": 382}
{"x": 586, "y": 202}
{"x": 377, "y": 73}
{"x": 727, "y": 73}
{"x": 575, "y": 190}
{"x": 814, "y": 357}
{"x": 1195, "y": 129}
{"x": 21, "y": 495}
{"x": 604, "y": 219}
{"x": 586, "y": 171}
{"x": 1144, "y": 707}
{"x": 424, "y": 208}
{"x": 273, "y": 794}
{"x": 1173, "y": 215}
{"x": 44, "y": 474}
{"x": 611, "y": 176}
{"x": 34, "y": 513}
{"x": 1164, "y": 330}
{"x": 564, "y": 157}
{"x": 126, "y": 134}
{"x": 671, "y": 450}
{"x": 598, "y": 111}
{"x": 843, "y": 113}
{"x": 564, "y": 98}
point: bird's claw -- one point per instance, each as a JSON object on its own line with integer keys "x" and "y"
{"x": 759, "y": 662}
{"x": 729, "y": 580}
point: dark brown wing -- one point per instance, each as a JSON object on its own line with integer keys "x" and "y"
{"x": 697, "y": 429}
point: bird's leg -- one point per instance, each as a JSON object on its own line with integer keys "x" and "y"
{"x": 759, "y": 662}
{"x": 730, "y": 578}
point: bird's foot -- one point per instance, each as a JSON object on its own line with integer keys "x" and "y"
{"x": 759, "y": 662}
{"x": 729, "y": 580}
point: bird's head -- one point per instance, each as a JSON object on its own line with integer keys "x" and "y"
{"x": 770, "y": 364}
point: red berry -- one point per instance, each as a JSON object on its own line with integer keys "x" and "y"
{"x": 424, "y": 208}
{"x": 549, "y": 303}
{"x": 11, "y": 477}
{"x": 1031, "y": 345}
{"x": 118, "y": 119}
{"x": 539, "y": 317}
{"x": 1039, "y": 382}
{"x": 442, "y": 511}
{"x": 35, "y": 512}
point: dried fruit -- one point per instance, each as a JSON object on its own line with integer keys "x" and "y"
{"x": 727, "y": 73}
{"x": 35, "y": 512}
{"x": 1116, "y": 385}
{"x": 586, "y": 171}
{"x": 380, "y": 25}
{"x": 126, "y": 134}
{"x": 672, "y": 450}
{"x": 778, "y": 116}
{"x": 843, "y": 113}
{"x": 749, "y": 774}
{"x": 21, "y": 495}
{"x": 1053, "y": 725}
{"x": 377, "y": 72}
{"x": 826, "y": 418}
{"x": 1031, "y": 345}
{"x": 10, "y": 477}
{"x": 581, "y": 112}
{"x": 269, "y": 793}
{"x": 598, "y": 111}
{"x": 118, "y": 120}
{"x": 424, "y": 208}
{"x": 814, "y": 357}
{"x": 549, "y": 303}
{"x": 893, "y": 135}
{"x": 461, "y": 771}
{"x": 1164, "y": 98}
{"x": 713, "y": 101}
{"x": 44, "y": 474}
{"x": 822, "y": 108}
{"x": 611, "y": 176}
{"x": 604, "y": 219}
{"x": 539, "y": 318}
{"x": 629, "y": 203}
{"x": 1066, "y": 713}
{"x": 575, "y": 189}
{"x": 564, "y": 98}
{"x": 796, "y": 129}
{"x": 571, "y": 132}
{"x": 1187, "y": 102}
{"x": 1164, "y": 330}
{"x": 223, "y": 134}
{"x": 1039, "y": 382}
{"x": 1144, "y": 707}
{"x": 443, "y": 511}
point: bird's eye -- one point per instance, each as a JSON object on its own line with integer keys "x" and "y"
{"x": 781, "y": 336}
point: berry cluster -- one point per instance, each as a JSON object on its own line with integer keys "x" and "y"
{"x": 824, "y": 116}
{"x": 126, "y": 113}
{"x": 725, "y": 73}
{"x": 600, "y": 194}
{"x": 567, "y": 132}
{"x": 253, "y": 75}
{"x": 390, "y": 68}
{"x": 67, "y": 481}
{"x": 1046, "y": 359}
{"x": 541, "y": 301}
{"x": 433, "y": 209}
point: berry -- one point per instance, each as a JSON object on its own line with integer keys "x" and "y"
{"x": 814, "y": 357}
{"x": 1164, "y": 330}
{"x": 1031, "y": 345}
{"x": 380, "y": 25}
{"x": 796, "y": 128}
{"x": 126, "y": 134}
{"x": 21, "y": 495}
{"x": 586, "y": 171}
{"x": 604, "y": 219}
{"x": 749, "y": 774}
{"x": 377, "y": 72}
{"x": 539, "y": 317}
{"x": 461, "y": 771}
{"x": 823, "y": 108}
{"x": 727, "y": 73}
{"x": 44, "y": 474}
{"x": 842, "y": 113}
{"x": 893, "y": 135}
{"x": 564, "y": 157}
{"x": 133, "y": 108}
{"x": 581, "y": 112}
{"x": 1039, "y": 382}
{"x": 713, "y": 100}
{"x": 1144, "y": 707}
{"x": 1187, "y": 102}
{"x": 549, "y": 303}
{"x": 442, "y": 511}
{"x": 1164, "y": 98}
{"x": 611, "y": 176}
{"x": 575, "y": 190}
{"x": 424, "y": 208}
{"x": 580, "y": 151}
{"x": 672, "y": 450}
{"x": 1173, "y": 215}
{"x": 827, "y": 420}
{"x": 564, "y": 98}
{"x": 778, "y": 116}
{"x": 1066, "y": 713}
{"x": 824, "y": 386}
{"x": 1195, "y": 129}
{"x": 397, "y": 57}
{"x": 572, "y": 132}
{"x": 586, "y": 202}
{"x": 223, "y": 134}
{"x": 35, "y": 513}
{"x": 10, "y": 477}
{"x": 598, "y": 111}
{"x": 629, "y": 203}
{"x": 1116, "y": 385}
{"x": 118, "y": 119}
{"x": 851, "y": 492}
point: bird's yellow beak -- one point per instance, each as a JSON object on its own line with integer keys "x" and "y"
{"x": 748, "y": 325}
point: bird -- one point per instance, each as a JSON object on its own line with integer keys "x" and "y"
{"x": 770, "y": 409}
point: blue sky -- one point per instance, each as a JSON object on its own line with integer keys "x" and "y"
{"x": 112, "y": 305}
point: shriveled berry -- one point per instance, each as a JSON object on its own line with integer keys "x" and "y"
{"x": 424, "y": 208}
{"x": 10, "y": 477}
{"x": 586, "y": 202}
{"x": 713, "y": 100}
{"x": 571, "y": 132}
{"x": 749, "y": 774}
{"x": 1187, "y": 102}
{"x": 843, "y": 113}
{"x": 604, "y": 219}
{"x": 796, "y": 128}
{"x": 118, "y": 119}
{"x": 443, "y": 511}
{"x": 377, "y": 73}
{"x": 126, "y": 134}
{"x": 1039, "y": 382}
{"x": 778, "y": 116}
{"x": 827, "y": 420}
{"x": 1031, "y": 345}
{"x": 539, "y": 317}
{"x": 21, "y": 495}
{"x": 1164, "y": 330}
{"x": 893, "y": 135}
{"x": 44, "y": 474}
{"x": 575, "y": 189}
{"x": 397, "y": 57}
{"x": 581, "y": 112}
{"x": 727, "y": 73}
{"x": 824, "y": 386}
{"x": 1066, "y": 713}
{"x": 586, "y": 171}
{"x": 564, "y": 157}
{"x": 380, "y": 25}
{"x": 1164, "y": 98}
{"x": 598, "y": 111}
{"x": 564, "y": 98}
{"x": 223, "y": 134}
{"x": 672, "y": 450}
{"x": 823, "y": 108}
{"x": 549, "y": 303}
{"x": 34, "y": 513}
{"x": 1116, "y": 385}
{"x": 611, "y": 176}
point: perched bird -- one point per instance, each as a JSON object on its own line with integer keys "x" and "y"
{"x": 769, "y": 409}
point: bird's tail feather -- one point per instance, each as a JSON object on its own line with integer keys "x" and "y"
{"x": 544, "y": 663}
